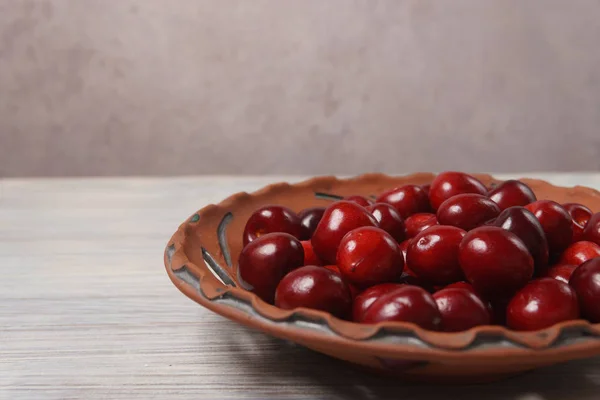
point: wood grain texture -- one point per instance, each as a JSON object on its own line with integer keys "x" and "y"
{"x": 87, "y": 311}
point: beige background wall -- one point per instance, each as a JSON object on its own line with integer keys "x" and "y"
{"x": 298, "y": 86}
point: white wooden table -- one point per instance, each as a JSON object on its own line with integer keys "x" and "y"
{"x": 87, "y": 311}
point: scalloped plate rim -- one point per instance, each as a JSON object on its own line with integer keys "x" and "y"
{"x": 592, "y": 344}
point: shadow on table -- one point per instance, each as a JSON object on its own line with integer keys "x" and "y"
{"x": 285, "y": 364}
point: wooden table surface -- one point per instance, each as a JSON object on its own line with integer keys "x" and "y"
{"x": 87, "y": 310}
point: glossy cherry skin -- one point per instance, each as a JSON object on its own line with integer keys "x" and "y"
{"x": 408, "y": 276}
{"x": 405, "y": 304}
{"x": 580, "y": 215}
{"x": 333, "y": 268}
{"x": 561, "y": 272}
{"x": 461, "y": 309}
{"x": 271, "y": 219}
{"x": 462, "y": 285}
{"x": 580, "y": 252}
{"x": 419, "y": 222}
{"x": 309, "y": 219}
{"x": 526, "y": 226}
{"x": 556, "y": 222}
{"x": 354, "y": 291}
{"x": 426, "y": 188}
{"x": 586, "y": 283}
{"x": 577, "y": 232}
{"x": 361, "y": 200}
{"x": 407, "y": 200}
{"x": 389, "y": 219}
{"x": 433, "y": 254}
{"x": 467, "y": 211}
{"x": 496, "y": 262}
{"x": 316, "y": 288}
{"x": 266, "y": 260}
{"x": 310, "y": 258}
{"x": 512, "y": 193}
{"x": 404, "y": 248}
{"x": 591, "y": 232}
{"x": 339, "y": 218}
{"x": 470, "y": 288}
{"x": 540, "y": 304}
{"x": 368, "y": 256}
{"x": 365, "y": 298}
{"x": 449, "y": 184}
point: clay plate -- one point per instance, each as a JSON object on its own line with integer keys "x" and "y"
{"x": 201, "y": 260}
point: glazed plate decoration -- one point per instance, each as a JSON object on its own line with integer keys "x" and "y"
{"x": 201, "y": 260}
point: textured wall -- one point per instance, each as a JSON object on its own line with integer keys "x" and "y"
{"x": 298, "y": 86}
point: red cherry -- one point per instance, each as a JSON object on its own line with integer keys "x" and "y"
{"x": 365, "y": 298}
{"x": 339, "y": 218}
{"x": 389, "y": 220}
{"x": 266, "y": 260}
{"x": 580, "y": 252}
{"x": 580, "y": 215}
{"x": 407, "y": 304}
{"x": 426, "y": 188}
{"x": 592, "y": 229}
{"x": 541, "y": 304}
{"x": 310, "y": 258}
{"x": 467, "y": 211}
{"x": 462, "y": 285}
{"x": 556, "y": 222}
{"x": 271, "y": 219}
{"x": 368, "y": 256}
{"x": 470, "y": 288}
{"x": 419, "y": 222}
{"x": 561, "y": 272}
{"x": 407, "y": 200}
{"x": 586, "y": 283}
{"x": 309, "y": 219}
{"x": 433, "y": 254}
{"x": 354, "y": 291}
{"x": 461, "y": 309}
{"x": 526, "y": 226}
{"x": 449, "y": 184}
{"x": 404, "y": 247}
{"x": 408, "y": 276}
{"x": 577, "y": 232}
{"x": 316, "y": 288}
{"x": 496, "y": 262}
{"x": 512, "y": 193}
{"x": 333, "y": 268}
{"x": 361, "y": 200}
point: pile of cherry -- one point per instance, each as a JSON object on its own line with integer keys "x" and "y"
{"x": 446, "y": 256}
